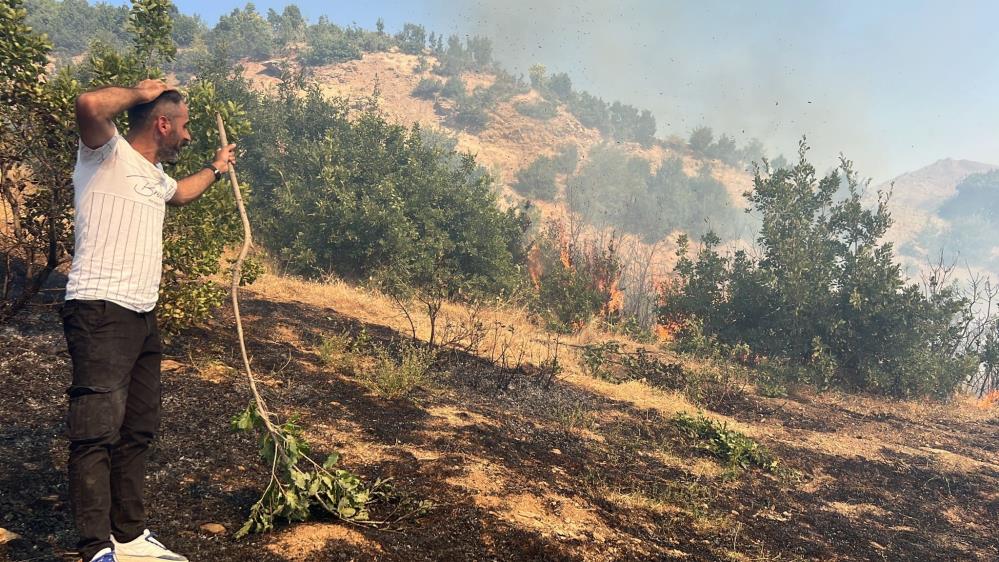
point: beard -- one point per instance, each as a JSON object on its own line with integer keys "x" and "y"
{"x": 169, "y": 150}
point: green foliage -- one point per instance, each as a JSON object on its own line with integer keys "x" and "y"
{"x": 826, "y": 291}
{"x": 186, "y": 29}
{"x": 470, "y": 115}
{"x": 618, "y": 189}
{"x": 591, "y": 111}
{"x": 724, "y": 149}
{"x": 560, "y": 85}
{"x": 37, "y": 151}
{"x": 537, "y": 180}
{"x": 428, "y": 88}
{"x": 573, "y": 282}
{"x": 972, "y": 227}
{"x": 729, "y": 445}
{"x": 394, "y": 378}
{"x": 628, "y": 124}
{"x": 541, "y": 109}
{"x": 369, "y": 199}
{"x": 195, "y": 237}
{"x": 242, "y": 33}
{"x": 72, "y": 25}
{"x": 700, "y": 139}
{"x": 412, "y": 39}
{"x": 475, "y": 55}
{"x": 289, "y": 26}
{"x": 339, "y": 351}
{"x": 328, "y": 43}
{"x": 609, "y": 362}
{"x": 298, "y": 484}
{"x": 151, "y": 26}
{"x": 538, "y": 74}
{"x": 454, "y": 88}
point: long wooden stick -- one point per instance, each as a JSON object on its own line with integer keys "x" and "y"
{"x": 237, "y": 270}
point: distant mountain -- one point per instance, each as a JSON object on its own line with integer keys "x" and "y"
{"x": 920, "y": 233}
{"x": 927, "y": 188}
{"x": 918, "y": 195}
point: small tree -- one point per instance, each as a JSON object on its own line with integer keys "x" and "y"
{"x": 700, "y": 139}
{"x": 538, "y": 75}
{"x": 37, "y": 150}
{"x": 412, "y": 39}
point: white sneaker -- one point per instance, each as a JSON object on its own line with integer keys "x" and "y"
{"x": 145, "y": 548}
{"x": 105, "y": 555}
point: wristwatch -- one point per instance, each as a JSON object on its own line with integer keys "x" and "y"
{"x": 216, "y": 171}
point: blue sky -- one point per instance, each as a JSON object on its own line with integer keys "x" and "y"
{"x": 893, "y": 85}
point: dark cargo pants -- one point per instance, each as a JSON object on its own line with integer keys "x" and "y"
{"x": 114, "y": 414}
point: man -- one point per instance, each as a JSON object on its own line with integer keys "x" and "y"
{"x": 114, "y": 401}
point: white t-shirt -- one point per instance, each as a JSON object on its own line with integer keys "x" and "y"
{"x": 120, "y": 200}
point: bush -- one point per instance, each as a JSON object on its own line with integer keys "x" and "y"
{"x": 729, "y": 445}
{"x": 618, "y": 189}
{"x": 412, "y": 39}
{"x": 395, "y": 378}
{"x": 591, "y": 111}
{"x": 454, "y": 88}
{"x": 573, "y": 283}
{"x": 826, "y": 291}
{"x": 700, "y": 139}
{"x": 470, "y": 115}
{"x": 327, "y": 43}
{"x": 537, "y": 180}
{"x": 543, "y": 110}
{"x": 342, "y": 191}
{"x": 428, "y": 88}
{"x": 242, "y": 33}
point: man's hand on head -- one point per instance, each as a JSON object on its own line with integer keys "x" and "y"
{"x": 151, "y": 89}
{"x": 225, "y": 156}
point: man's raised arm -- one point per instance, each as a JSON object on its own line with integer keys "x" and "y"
{"x": 95, "y": 110}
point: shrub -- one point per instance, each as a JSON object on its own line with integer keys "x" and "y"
{"x": 412, "y": 39}
{"x": 336, "y": 351}
{"x": 342, "y": 191}
{"x": 541, "y": 109}
{"x": 826, "y": 291}
{"x": 729, "y": 445}
{"x": 591, "y": 111}
{"x": 328, "y": 43}
{"x": 395, "y": 378}
{"x": 428, "y": 88}
{"x": 242, "y": 33}
{"x": 618, "y": 189}
{"x": 454, "y": 88}
{"x": 573, "y": 282}
{"x": 537, "y": 180}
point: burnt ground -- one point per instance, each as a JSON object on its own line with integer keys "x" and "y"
{"x": 566, "y": 471}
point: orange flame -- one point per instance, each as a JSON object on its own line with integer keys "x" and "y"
{"x": 615, "y": 302}
{"x": 667, "y": 332}
{"x": 534, "y": 265}
{"x": 990, "y": 400}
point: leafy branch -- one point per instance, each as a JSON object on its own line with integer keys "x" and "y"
{"x": 297, "y": 482}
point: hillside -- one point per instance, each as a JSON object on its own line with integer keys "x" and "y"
{"x": 509, "y": 142}
{"x": 917, "y": 196}
{"x": 581, "y": 469}
{"x": 517, "y": 405}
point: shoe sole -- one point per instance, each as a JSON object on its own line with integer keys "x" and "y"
{"x": 130, "y": 558}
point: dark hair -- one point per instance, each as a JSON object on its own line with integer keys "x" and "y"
{"x": 140, "y": 115}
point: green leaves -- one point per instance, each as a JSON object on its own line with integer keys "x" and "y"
{"x": 733, "y": 447}
{"x": 826, "y": 292}
{"x": 298, "y": 484}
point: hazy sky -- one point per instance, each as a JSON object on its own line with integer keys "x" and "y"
{"x": 893, "y": 85}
